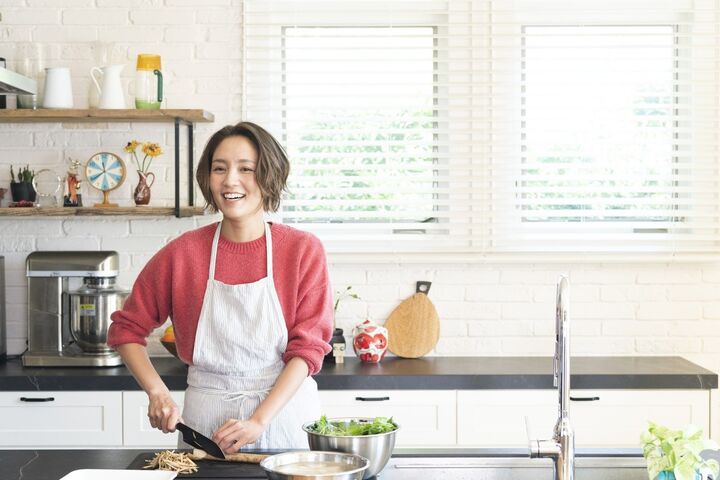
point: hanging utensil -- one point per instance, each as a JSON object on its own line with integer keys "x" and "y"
{"x": 414, "y": 326}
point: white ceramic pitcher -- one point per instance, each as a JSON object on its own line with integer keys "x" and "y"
{"x": 58, "y": 88}
{"x": 111, "y": 93}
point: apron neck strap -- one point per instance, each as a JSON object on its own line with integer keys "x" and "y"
{"x": 213, "y": 251}
{"x": 268, "y": 250}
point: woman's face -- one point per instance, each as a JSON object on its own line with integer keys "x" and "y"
{"x": 232, "y": 179}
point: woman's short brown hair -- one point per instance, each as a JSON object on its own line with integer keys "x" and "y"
{"x": 272, "y": 167}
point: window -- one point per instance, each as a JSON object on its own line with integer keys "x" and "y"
{"x": 599, "y": 134}
{"x": 486, "y": 126}
{"x": 598, "y": 124}
{"x": 360, "y": 124}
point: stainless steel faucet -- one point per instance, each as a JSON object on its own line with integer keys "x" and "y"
{"x": 561, "y": 447}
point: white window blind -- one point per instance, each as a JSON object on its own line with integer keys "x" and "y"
{"x": 492, "y": 126}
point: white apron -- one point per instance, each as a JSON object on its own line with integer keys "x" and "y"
{"x": 240, "y": 339}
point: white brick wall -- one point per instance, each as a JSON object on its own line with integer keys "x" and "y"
{"x": 485, "y": 309}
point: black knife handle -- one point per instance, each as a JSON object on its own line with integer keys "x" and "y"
{"x": 31, "y": 399}
{"x": 584, "y": 399}
{"x": 372, "y": 399}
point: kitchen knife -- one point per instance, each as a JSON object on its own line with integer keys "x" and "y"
{"x": 198, "y": 440}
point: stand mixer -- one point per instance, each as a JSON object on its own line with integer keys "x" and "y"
{"x": 71, "y": 296}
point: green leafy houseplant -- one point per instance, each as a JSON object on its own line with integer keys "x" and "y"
{"x": 676, "y": 452}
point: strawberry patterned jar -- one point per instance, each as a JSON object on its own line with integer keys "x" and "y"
{"x": 370, "y": 341}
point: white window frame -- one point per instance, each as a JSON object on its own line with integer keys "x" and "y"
{"x": 511, "y": 222}
{"x": 479, "y": 202}
{"x": 408, "y": 236}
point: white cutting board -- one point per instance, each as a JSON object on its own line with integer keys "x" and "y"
{"x": 89, "y": 474}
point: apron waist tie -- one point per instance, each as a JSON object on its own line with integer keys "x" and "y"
{"x": 245, "y": 394}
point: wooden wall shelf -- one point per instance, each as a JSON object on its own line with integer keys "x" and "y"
{"x": 187, "y": 117}
{"x": 91, "y": 211}
{"x": 104, "y": 115}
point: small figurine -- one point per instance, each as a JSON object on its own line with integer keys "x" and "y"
{"x": 73, "y": 197}
{"x": 338, "y": 352}
{"x": 2, "y": 195}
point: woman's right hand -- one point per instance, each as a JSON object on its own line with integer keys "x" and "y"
{"x": 163, "y": 412}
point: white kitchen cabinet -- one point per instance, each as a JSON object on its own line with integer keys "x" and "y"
{"x": 442, "y": 418}
{"x": 426, "y": 417}
{"x": 60, "y": 419}
{"x": 618, "y": 418}
{"x": 137, "y": 431}
{"x": 495, "y": 418}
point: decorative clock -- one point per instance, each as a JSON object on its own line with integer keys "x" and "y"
{"x": 105, "y": 171}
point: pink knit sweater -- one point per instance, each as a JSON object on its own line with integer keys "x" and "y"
{"x": 173, "y": 282}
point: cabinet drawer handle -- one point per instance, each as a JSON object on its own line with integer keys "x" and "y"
{"x": 30, "y": 399}
{"x": 584, "y": 399}
{"x": 372, "y": 399}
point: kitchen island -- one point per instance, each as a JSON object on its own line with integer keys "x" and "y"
{"x": 468, "y": 464}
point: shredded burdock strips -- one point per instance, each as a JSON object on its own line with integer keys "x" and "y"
{"x": 174, "y": 462}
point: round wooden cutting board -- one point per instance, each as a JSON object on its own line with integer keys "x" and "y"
{"x": 414, "y": 326}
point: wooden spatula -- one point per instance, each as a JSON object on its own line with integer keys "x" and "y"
{"x": 198, "y": 454}
{"x": 414, "y": 325}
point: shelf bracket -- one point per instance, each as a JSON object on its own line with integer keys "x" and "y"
{"x": 191, "y": 162}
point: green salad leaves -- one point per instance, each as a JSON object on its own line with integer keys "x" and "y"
{"x": 353, "y": 428}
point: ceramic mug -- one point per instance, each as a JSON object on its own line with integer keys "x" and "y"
{"x": 370, "y": 341}
{"x": 58, "y": 89}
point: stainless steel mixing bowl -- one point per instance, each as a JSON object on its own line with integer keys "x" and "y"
{"x": 355, "y": 465}
{"x": 90, "y": 311}
{"x": 376, "y": 448}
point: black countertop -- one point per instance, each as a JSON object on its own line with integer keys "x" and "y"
{"x": 428, "y": 373}
{"x": 54, "y": 464}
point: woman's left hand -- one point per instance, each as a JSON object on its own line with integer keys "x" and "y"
{"x": 234, "y": 434}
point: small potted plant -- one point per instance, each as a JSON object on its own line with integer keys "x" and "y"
{"x": 675, "y": 454}
{"x": 337, "y": 342}
{"x": 22, "y": 188}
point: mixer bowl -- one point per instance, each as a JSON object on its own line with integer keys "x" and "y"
{"x": 90, "y": 312}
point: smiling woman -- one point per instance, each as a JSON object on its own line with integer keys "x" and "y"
{"x": 250, "y": 147}
{"x": 233, "y": 187}
{"x": 250, "y": 304}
